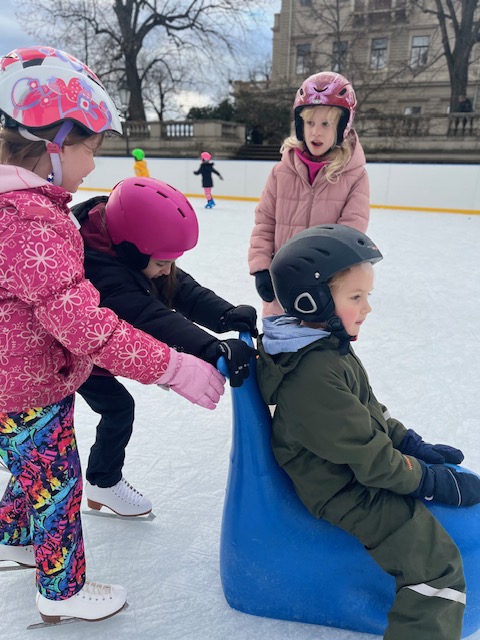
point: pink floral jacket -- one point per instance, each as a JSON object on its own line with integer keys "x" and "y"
{"x": 52, "y": 330}
{"x": 289, "y": 204}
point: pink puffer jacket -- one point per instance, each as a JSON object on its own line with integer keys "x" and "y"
{"x": 52, "y": 331}
{"x": 289, "y": 204}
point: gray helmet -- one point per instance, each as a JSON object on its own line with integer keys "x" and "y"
{"x": 302, "y": 267}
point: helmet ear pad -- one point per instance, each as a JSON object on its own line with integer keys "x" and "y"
{"x": 341, "y": 126}
{"x": 129, "y": 253}
{"x": 312, "y": 304}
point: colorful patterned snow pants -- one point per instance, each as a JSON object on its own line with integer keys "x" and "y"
{"x": 41, "y": 504}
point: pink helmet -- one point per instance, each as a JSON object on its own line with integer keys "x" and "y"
{"x": 153, "y": 216}
{"x": 43, "y": 86}
{"x": 40, "y": 86}
{"x": 330, "y": 89}
{"x": 206, "y": 156}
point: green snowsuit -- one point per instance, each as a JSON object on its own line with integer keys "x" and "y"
{"x": 339, "y": 446}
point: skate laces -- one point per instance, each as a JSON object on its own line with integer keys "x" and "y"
{"x": 126, "y": 492}
{"x": 96, "y": 589}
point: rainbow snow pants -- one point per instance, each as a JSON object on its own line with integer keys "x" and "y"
{"x": 41, "y": 504}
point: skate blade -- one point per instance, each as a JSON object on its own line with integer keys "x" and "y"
{"x": 116, "y": 516}
{"x": 41, "y": 625}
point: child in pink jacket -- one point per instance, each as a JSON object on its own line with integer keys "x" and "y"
{"x": 320, "y": 179}
{"x": 54, "y": 112}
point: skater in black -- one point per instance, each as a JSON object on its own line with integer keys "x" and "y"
{"x": 205, "y": 170}
{"x": 132, "y": 239}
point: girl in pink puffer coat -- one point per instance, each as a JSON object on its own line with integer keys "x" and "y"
{"x": 53, "y": 112}
{"x": 320, "y": 179}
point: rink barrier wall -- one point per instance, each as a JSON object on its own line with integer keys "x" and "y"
{"x": 393, "y": 186}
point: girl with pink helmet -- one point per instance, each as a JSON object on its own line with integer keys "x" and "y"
{"x": 53, "y": 115}
{"x": 132, "y": 241}
{"x": 320, "y": 179}
{"x": 205, "y": 170}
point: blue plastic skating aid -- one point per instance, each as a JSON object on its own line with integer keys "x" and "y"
{"x": 278, "y": 561}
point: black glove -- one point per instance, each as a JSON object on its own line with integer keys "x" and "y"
{"x": 413, "y": 445}
{"x": 448, "y": 486}
{"x": 241, "y": 318}
{"x": 264, "y": 285}
{"x": 238, "y": 355}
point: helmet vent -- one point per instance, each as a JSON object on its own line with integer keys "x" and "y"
{"x": 181, "y": 213}
{"x": 342, "y": 92}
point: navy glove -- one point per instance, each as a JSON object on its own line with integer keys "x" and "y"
{"x": 264, "y": 285}
{"x": 413, "y": 445}
{"x": 241, "y": 318}
{"x": 448, "y": 486}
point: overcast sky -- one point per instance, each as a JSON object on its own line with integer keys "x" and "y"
{"x": 12, "y": 35}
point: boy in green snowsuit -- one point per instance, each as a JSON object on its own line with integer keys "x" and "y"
{"x": 350, "y": 462}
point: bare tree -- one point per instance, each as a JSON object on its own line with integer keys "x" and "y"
{"x": 459, "y": 23}
{"x": 111, "y": 34}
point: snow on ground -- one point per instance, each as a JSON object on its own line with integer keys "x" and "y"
{"x": 421, "y": 350}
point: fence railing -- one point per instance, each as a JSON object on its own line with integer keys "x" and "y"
{"x": 419, "y": 126}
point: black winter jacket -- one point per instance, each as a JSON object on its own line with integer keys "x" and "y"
{"x": 141, "y": 302}
{"x": 206, "y": 169}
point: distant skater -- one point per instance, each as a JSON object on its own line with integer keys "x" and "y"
{"x": 140, "y": 165}
{"x": 205, "y": 170}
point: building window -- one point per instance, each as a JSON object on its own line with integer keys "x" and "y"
{"x": 339, "y": 56}
{"x": 412, "y": 111}
{"x": 378, "y": 54}
{"x": 304, "y": 52}
{"x": 305, "y": 3}
{"x": 419, "y": 53}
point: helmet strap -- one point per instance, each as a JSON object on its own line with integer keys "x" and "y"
{"x": 336, "y": 328}
{"x": 53, "y": 149}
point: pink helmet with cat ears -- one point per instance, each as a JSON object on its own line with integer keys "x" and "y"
{"x": 152, "y": 215}
{"x": 42, "y": 86}
{"x": 329, "y": 89}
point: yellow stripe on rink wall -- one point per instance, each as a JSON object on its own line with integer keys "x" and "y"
{"x": 391, "y": 207}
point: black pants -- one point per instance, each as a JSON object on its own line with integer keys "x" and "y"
{"x": 111, "y": 400}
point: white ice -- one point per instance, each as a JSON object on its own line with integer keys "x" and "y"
{"x": 420, "y": 347}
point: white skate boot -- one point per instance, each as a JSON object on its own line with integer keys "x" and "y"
{"x": 122, "y": 499}
{"x": 95, "y": 601}
{"x": 22, "y": 555}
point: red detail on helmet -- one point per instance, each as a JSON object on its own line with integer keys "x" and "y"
{"x": 52, "y": 147}
{"x": 152, "y": 215}
{"x": 41, "y": 86}
{"x": 329, "y": 89}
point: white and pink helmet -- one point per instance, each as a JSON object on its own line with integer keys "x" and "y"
{"x": 329, "y": 89}
{"x": 43, "y": 86}
{"x": 153, "y": 216}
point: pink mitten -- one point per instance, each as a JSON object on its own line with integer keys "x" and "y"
{"x": 196, "y": 380}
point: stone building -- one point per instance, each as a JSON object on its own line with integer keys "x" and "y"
{"x": 390, "y": 50}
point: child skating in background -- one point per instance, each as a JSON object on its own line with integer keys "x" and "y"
{"x": 351, "y": 463}
{"x": 132, "y": 240}
{"x": 321, "y": 177}
{"x": 140, "y": 166}
{"x": 52, "y": 330}
{"x": 205, "y": 170}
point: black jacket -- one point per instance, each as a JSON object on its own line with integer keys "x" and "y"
{"x": 141, "y": 302}
{"x": 206, "y": 169}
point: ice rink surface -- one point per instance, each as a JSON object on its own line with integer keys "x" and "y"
{"x": 421, "y": 349}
